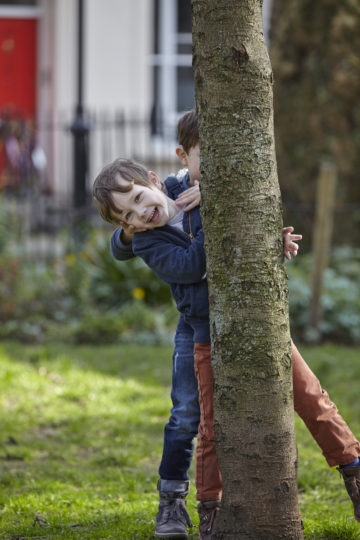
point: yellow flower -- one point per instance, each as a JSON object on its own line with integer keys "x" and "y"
{"x": 70, "y": 259}
{"x": 138, "y": 293}
{"x": 84, "y": 255}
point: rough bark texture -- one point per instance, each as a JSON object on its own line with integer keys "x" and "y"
{"x": 241, "y": 210}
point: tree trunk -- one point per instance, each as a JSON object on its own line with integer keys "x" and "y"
{"x": 241, "y": 210}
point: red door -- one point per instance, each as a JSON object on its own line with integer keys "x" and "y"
{"x": 17, "y": 98}
{"x": 18, "y": 66}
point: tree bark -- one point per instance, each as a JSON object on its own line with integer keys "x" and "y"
{"x": 242, "y": 218}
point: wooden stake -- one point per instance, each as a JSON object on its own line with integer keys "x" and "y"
{"x": 325, "y": 199}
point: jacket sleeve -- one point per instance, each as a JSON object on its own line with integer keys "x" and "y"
{"x": 173, "y": 263}
{"x": 119, "y": 250}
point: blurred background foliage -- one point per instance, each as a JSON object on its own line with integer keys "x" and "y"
{"x": 340, "y": 300}
{"x": 81, "y": 297}
{"x": 314, "y": 50}
{"x": 89, "y": 297}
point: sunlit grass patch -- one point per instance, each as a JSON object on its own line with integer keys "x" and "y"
{"x": 81, "y": 441}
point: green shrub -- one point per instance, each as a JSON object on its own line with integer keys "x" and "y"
{"x": 90, "y": 297}
{"x": 83, "y": 297}
{"x": 134, "y": 321}
{"x": 340, "y": 300}
{"x": 97, "y": 328}
{"x": 111, "y": 282}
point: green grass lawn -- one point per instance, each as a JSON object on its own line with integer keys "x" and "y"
{"x": 81, "y": 439}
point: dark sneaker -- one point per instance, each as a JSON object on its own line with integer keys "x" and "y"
{"x": 351, "y": 476}
{"x": 173, "y": 518}
{"x": 207, "y": 514}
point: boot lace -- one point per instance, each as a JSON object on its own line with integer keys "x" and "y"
{"x": 174, "y": 509}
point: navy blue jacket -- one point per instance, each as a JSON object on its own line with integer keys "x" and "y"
{"x": 179, "y": 260}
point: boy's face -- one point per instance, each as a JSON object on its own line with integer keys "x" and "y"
{"x": 142, "y": 207}
{"x": 190, "y": 160}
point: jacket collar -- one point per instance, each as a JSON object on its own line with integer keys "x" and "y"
{"x": 185, "y": 180}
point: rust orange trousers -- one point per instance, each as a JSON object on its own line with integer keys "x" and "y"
{"x": 311, "y": 402}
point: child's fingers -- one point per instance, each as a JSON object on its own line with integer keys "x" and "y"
{"x": 191, "y": 206}
{"x": 292, "y": 248}
{"x": 131, "y": 229}
{"x": 189, "y": 194}
{"x": 181, "y": 201}
{"x": 182, "y": 198}
{"x": 190, "y": 200}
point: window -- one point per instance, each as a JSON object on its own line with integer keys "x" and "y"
{"x": 19, "y": 9}
{"x": 18, "y": 2}
{"x": 172, "y": 61}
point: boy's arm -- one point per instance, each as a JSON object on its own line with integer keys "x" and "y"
{"x": 173, "y": 263}
{"x": 121, "y": 242}
{"x": 122, "y": 251}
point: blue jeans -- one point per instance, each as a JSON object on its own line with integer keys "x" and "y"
{"x": 183, "y": 423}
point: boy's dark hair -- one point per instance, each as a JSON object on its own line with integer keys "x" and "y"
{"x": 107, "y": 182}
{"x": 188, "y": 131}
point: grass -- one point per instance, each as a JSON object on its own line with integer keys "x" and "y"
{"x": 81, "y": 439}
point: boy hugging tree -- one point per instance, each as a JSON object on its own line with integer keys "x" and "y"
{"x": 172, "y": 245}
{"x": 170, "y": 240}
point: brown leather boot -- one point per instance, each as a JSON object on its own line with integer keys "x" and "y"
{"x": 351, "y": 476}
{"x": 207, "y": 513}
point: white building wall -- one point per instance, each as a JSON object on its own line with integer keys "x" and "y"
{"x": 117, "y": 75}
{"x": 119, "y": 36}
{"x": 60, "y": 21}
{"x": 65, "y": 51}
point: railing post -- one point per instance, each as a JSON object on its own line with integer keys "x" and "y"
{"x": 80, "y": 127}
